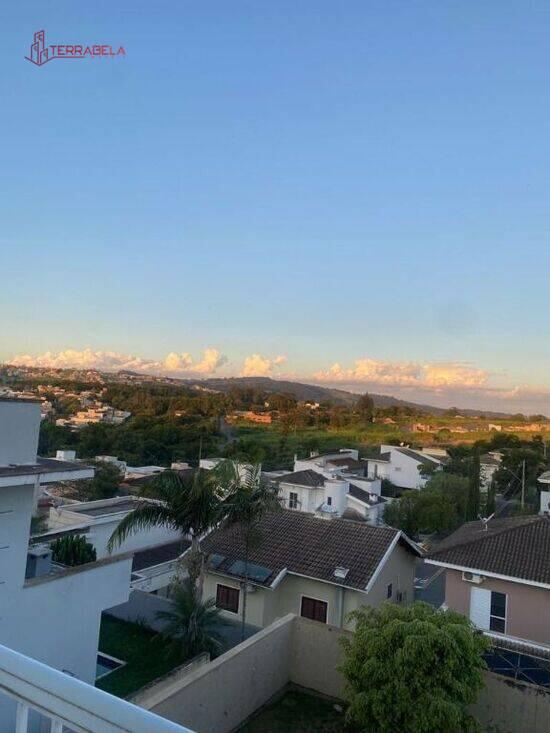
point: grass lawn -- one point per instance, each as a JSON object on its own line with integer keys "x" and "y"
{"x": 297, "y": 712}
{"x": 146, "y": 656}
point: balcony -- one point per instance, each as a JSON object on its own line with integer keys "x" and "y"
{"x": 70, "y": 705}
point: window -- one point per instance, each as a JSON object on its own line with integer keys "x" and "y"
{"x": 389, "y": 592}
{"x": 293, "y": 500}
{"x": 329, "y": 500}
{"x": 497, "y": 621}
{"x": 314, "y": 609}
{"x": 227, "y": 598}
{"x": 375, "y": 470}
{"x": 488, "y": 610}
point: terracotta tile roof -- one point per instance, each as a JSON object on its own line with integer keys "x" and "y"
{"x": 517, "y": 547}
{"x": 306, "y": 545}
{"x": 307, "y": 477}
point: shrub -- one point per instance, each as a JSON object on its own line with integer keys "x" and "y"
{"x": 73, "y": 550}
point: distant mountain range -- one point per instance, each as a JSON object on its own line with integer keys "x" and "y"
{"x": 299, "y": 390}
{"x": 315, "y": 393}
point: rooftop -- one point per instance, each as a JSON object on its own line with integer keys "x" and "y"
{"x": 43, "y": 466}
{"x": 308, "y": 477}
{"x": 152, "y": 556}
{"x": 362, "y": 495}
{"x": 423, "y": 458}
{"x": 515, "y": 547}
{"x": 109, "y": 506}
{"x": 296, "y": 542}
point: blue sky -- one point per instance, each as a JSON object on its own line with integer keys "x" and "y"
{"x": 363, "y": 184}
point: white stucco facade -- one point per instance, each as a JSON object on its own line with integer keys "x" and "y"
{"x": 55, "y": 617}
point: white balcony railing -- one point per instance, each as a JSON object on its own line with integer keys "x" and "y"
{"x": 69, "y": 703}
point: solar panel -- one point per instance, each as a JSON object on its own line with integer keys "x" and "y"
{"x": 215, "y": 560}
{"x": 522, "y": 667}
{"x": 254, "y": 572}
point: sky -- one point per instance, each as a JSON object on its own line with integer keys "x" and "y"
{"x": 354, "y": 194}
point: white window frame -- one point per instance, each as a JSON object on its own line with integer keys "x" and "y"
{"x": 313, "y": 598}
{"x": 293, "y": 500}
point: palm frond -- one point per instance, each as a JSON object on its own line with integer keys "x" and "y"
{"x": 145, "y": 516}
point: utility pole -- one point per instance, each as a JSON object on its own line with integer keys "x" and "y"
{"x": 523, "y": 484}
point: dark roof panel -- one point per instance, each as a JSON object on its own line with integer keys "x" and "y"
{"x": 152, "y": 556}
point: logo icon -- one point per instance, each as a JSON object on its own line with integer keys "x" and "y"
{"x": 40, "y": 54}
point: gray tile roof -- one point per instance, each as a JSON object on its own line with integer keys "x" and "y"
{"x": 487, "y": 460}
{"x": 303, "y": 478}
{"x": 306, "y": 545}
{"x": 363, "y": 495}
{"x": 152, "y": 556}
{"x": 423, "y": 458}
{"x": 349, "y": 463}
{"x": 517, "y": 547}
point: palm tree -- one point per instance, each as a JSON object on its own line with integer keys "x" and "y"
{"x": 192, "y": 626}
{"x": 190, "y": 506}
{"x": 247, "y": 499}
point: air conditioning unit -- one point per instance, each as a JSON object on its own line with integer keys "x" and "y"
{"x": 472, "y": 577}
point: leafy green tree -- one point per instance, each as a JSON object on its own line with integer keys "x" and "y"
{"x": 190, "y": 506}
{"x": 403, "y": 514}
{"x": 412, "y": 669}
{"x": 192, "y": 625}
{"x": 439, "y": 507}
{"x": 365, "y": 407}
{"x": 105, "y": 482}
{"x": 248, "y": 500}
{"x": 73, "y": 550}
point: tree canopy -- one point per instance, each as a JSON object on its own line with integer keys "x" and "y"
{"x": 412, "y": 669}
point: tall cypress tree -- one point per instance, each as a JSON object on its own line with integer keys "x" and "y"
{"x": 474, "y": 488}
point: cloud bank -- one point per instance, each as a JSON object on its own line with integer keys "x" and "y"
{"x": 174, "y": 364}
{"x": 257, "y": 365}
{"x": 437, "y": 383}
{"x": 405, "y": 374}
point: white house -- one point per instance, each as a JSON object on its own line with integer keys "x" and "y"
{"x": 330, "y": 485}
{"x": 301, "y": 564}
{"x": 489, "y": 464}
{"x": 402, "y": 466}
{"x": 97, "y": 520}
{"x": 48, "y": 612}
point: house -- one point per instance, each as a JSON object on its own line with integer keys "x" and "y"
{"x": 48, "y": 611}
{"x": 403, "y": 466}
{"x": 97, "y": 520}
{"x": 304, "y": 565}
{"x": 489, "y": 464}
{"x": 498, "y": 574}
{"x": 330, "y": 494}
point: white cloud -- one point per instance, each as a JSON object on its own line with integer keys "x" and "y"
{"x": 257, "y": 365}
{"x": 405, "y": 374}
{"x": 174, "y": 364}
